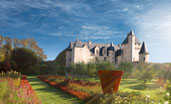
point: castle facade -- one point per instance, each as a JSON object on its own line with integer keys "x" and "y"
{"x": 131, "y": 50}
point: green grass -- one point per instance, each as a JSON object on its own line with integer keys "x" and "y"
{"x": 132, "y": 85}
{"x": 50, "y": 95}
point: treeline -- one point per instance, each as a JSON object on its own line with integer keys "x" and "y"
{"x": 8, "y": 44}
{"x": 21, "y": 55}
{"x": 90, "y": 69}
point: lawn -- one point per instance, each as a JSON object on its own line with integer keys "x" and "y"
{"x": 50, "y": 95}
{"x": 126, "y": 86}
{"x": 133, "y": 85}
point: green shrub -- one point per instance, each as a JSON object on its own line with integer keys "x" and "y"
{"x": 90, "y": 69}
{"x": 4, "y": 91}
{"x": 144, "y": 73}
{"x": 11, "y": 74}
{"x": 127, "y": 68}
{"x": 125, "y": 98}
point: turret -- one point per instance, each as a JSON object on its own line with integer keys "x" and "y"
{"x": 131, "y": 42}
{"x": 130, "y": 47}
{"x": 69, "y": 54}
{"x": 143, "y": 54}
{"x": 70, "y": 45}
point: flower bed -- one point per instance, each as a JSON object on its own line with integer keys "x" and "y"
{"x": 16, "y": 91}
{"x": 79, "y": 82}
{"x": 61, "y": 85}
{"x": 28, "y": 91}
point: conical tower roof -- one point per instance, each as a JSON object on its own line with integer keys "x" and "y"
{"x": 143, "y": 49}
{"x": 70, "y": 45}
{"x": 131, "y": 32}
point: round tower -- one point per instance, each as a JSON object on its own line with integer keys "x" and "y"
{"x": 143, "y": 54}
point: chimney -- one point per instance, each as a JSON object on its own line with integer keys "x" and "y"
{"x": 89, "y": 42}
{"x": 108, "y": 44}
{"x": 119, "y": 45}
{"x": 112, "y": 44}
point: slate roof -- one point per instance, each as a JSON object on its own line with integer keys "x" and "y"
{"x": 143, "y": 49}
{"x": 118, "y": 53}
{"x": 126, "y": 40}
{"x": 79, "y": 43}
{"x": 111, "y": 47}
{"x": 92, "y": 46}
{"x": 70, "y": 47}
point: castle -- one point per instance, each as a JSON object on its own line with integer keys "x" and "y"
{"x": 130, "y": 50}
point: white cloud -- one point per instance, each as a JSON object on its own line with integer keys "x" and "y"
{"x": 137, "y": 6}
{"x": 89, "y": 32}
{"x": 55, "y": 34}
{"x": 125, "y": 9}
{"x": 154, "y": 26}
{"x": 156, "y": 22}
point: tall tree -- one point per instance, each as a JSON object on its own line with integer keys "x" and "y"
{"x": 24, "y": 42}
{"x": 24, "y": 58}
{"x": 1, "y": 40}
{"x": 7, "y": 47}
{"x": 16, "y": 43}
{"x": 1, "y": 48}
{"x": 32, "y": 44}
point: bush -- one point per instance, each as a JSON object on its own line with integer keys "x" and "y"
{"x": 125, "y": 98}
{"x": 11, "y": 74}
{"x": 90, "y": 69}
{"x": 144, "y": 73}
{"x": 50, "y": 67}
{"x": 25, "y": 59}
{"x": 127, "y": 68}
{"x": 104, "y": 65}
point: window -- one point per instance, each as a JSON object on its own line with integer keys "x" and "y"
{"x": 97, "y": 51}
{"x": 96, "y": 58}
{"x": 104, "y": 58}
{"x": 69, "y": 59}
{"x": 144, "y": 58}
{"x": 104, "y": 51}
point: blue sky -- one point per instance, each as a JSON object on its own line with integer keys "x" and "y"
{"x": 54, "y": 23}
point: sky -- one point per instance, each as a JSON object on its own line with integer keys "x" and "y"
{"x": 54, "y": 23}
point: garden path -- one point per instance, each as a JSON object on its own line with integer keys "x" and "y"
{"x": 50, "y": 95}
